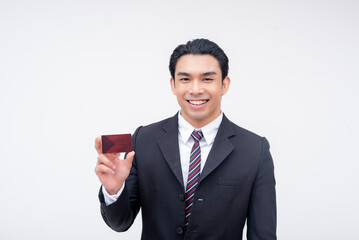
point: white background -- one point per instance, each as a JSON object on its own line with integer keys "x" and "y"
{"x": 73, "y": 70}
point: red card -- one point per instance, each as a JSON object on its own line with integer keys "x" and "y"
{"x": 116, "y": 143}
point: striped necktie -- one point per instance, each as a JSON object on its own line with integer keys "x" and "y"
{"x": 193, "y": 173}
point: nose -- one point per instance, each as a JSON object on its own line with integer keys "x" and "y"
{"x": 196, "y": 87}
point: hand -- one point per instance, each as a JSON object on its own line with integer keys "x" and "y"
{"x": 111, "y": 171}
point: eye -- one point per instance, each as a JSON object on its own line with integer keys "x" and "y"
{"x": 184, "y": 79}
{"x": 207, "y": 79}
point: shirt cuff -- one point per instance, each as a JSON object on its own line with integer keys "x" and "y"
{"x": 111, "y": 198}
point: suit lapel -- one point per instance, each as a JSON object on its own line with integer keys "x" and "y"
{"x": 169, "y": 147}
{"x": 221, "y": 148}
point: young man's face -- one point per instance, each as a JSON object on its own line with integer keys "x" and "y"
{"x": 199, "y": 88}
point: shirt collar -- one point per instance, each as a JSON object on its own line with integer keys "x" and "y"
{"x": 209, "y": 131}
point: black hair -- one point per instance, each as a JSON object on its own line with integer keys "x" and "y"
{"x": 199, "y": 47}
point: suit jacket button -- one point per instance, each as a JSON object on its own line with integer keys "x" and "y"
{"x": 181, "y": 197}
{"x": 179, "y": 230}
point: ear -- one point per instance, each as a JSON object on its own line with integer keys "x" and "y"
{"x": 225, "y": 85}
{"x": 173, "y": 87}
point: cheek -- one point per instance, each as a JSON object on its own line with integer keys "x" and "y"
{"x": 179, "y": 95}
{"x": 180, "y": 92}
{"x": 215, "y": 91}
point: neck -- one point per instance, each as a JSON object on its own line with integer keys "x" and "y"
{"x": 199, "y": 123}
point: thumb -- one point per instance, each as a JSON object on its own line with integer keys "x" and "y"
{"x": 98, "y": 145}
{"x": 129, "y": 157}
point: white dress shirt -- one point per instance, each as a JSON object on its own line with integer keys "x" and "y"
{"x": 185, "y": 142}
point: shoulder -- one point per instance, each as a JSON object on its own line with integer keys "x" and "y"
{"x": 237, "y": 130}
{"x": 243, "y": 137}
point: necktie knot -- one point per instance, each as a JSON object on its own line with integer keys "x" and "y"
{"x": 197, "y": 135}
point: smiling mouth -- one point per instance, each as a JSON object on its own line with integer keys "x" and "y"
{"x": 197, "y": 102}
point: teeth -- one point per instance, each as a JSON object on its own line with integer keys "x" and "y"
{"x": 197, "y": 102}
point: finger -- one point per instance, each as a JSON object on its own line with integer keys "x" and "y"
{"x": 103, "y": 169}
{"x": 102, "y": 159}
{"x": 98, "y": 145}
{"x": 111, "y": 156}
{"x": 129, "y": 157}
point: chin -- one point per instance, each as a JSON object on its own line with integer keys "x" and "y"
{"x": 197, "y": 117}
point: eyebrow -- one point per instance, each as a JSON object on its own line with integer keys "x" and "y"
{"x": 208, "y": 73}
{"x": 203, "y": 74}
{"x": 183, "y": 74}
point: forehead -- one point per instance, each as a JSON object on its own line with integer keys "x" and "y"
{"x": 197, "y": 64}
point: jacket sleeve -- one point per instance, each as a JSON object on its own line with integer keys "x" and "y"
{"x": 121, "y": 214}
{"x": 262, "y": 213}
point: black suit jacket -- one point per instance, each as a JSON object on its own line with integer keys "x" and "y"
{"x": 236, "y": 184}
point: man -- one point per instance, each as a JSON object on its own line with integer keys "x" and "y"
{"x": 195, "y": 175}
